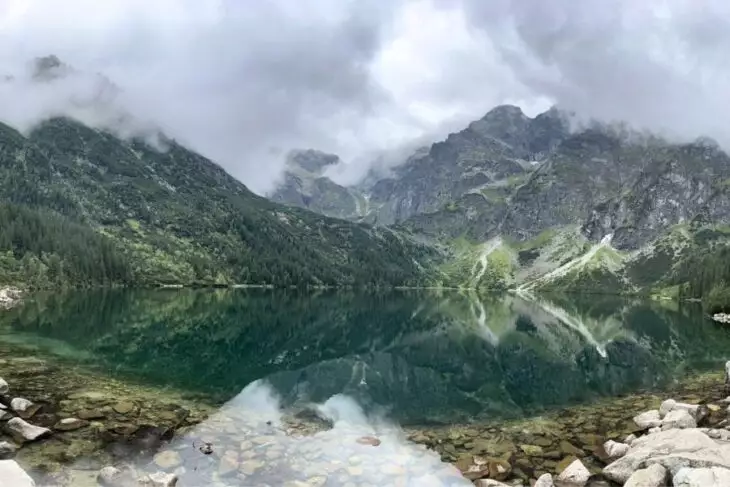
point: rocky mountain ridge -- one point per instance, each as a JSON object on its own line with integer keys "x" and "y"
{"x": 530, "y": 203}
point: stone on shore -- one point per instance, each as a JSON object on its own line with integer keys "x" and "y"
{"x": 12, "y": 475}
{"x": 25, "y": 432}
{"x": 490, "y": 483}
{"x": 653, "y": 476}
{"x": 25, "y": 408}
{"x": 648, "y": 419}
{"x": 702, "y": 477}
{"x": 545, "y": 480}
{"x": 615, "y": 449}
{"x": 678, "y": 418}
{"x": 575, "y": 474}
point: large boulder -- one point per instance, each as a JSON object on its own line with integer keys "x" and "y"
{"x": 678, "y": 418}
{"x": 660, "y": 444}
{"x": 717, "y": 456}
{"x": 702, "y": 477}
{"x": 654, "y": 476}
{"x": 615, "y": 449}
{"x": 648, "y": 419}
{"x": 24, "y": 432}
{"x": 12, "y": 475}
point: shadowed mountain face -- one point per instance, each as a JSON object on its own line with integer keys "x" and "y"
{"x": 421, "y": 357}
{"x": 535, "y": 186}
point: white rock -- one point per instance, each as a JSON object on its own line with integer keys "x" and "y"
{"x": 4, "y": 387}
{"x": 678, "y": 418}
{"x": 545, "y": 480}
{"x": 575, "y": 474}
{"x": 11, "y": 475}
{"x": 159, "y": 479}
{"x": 692, "y": 409}
{"x": 663, "y": 443}
{"x": 666, "y": 407}
{"x": 648, "y": 419}
{"x": 615, "y": 449}
{"x": 717, "y": 456}
{"x": 655, "y": 429}
{"x": 109, "y": 476}
{"x": 630, "y": 439}
{"x": 702, "y": 477}
{"x": 7, "y": 450}
{"x": 489, "y": 483}
{"x": 24, "y": 432}
{"x": 654, "y": 476}
{"x": 24, "y": 407}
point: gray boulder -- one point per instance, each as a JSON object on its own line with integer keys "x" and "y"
{"x": 653, "y": 476}
{"x": 648, "y": 419}
{"x": 678, "y": 418}
{"x": 702, "y": 477}
{"x": 615, "y": 449}
{"x": 717, "y": 456}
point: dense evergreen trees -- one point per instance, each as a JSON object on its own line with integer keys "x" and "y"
{"x": 81, "y": 207}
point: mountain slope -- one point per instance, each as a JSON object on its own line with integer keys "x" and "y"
{"x": 172, "y": 216}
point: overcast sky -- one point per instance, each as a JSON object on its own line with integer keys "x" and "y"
{"x": 243, "y": 81}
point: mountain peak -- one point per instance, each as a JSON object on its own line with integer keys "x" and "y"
{"x": 508, "y": 112}
{"x": 47, "y": 68}
{"x": 311, "y": 160}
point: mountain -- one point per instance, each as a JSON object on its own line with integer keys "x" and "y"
{"x": 81, "y": 206}
{"x": 531, "y": 203}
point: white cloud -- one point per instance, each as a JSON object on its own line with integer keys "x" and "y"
{"x": 244, "y": 81}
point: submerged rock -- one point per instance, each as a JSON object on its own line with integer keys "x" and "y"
{"x": 575, "y": 474}
{"x": 70, "y": 424}
{"x": 12, "y": 475}
{"x": 25, "y": 432}
{"x": 24, "y": 408}
{"x": 653, "y": 476}
{"x": 109, "y": 477}
{"x": 4, "y": 387}
{"x": 167, "y": 459}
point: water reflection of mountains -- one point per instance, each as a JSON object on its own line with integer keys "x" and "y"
{"x": 423, "y": 356}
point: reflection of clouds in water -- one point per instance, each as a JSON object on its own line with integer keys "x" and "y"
{"x": 254, "y": 446}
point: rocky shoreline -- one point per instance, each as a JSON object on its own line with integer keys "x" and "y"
{"x": 65, "y": 427}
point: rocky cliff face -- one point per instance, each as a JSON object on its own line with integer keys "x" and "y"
{"x": 600, "y": 202}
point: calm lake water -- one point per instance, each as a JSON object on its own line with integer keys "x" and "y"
{"x": 368, "y": 360}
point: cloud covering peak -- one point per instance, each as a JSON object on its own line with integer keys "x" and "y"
{"x": 244, "y": 82}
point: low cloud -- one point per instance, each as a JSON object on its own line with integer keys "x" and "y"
{"x": 245, "y": 82}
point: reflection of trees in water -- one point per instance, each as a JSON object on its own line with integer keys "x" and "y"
{"x": 428, "y": 355}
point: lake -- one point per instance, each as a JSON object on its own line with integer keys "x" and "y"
{"x": 349, "y": 365}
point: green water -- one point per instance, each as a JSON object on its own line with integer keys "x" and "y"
{"x": 417, "y": 357}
